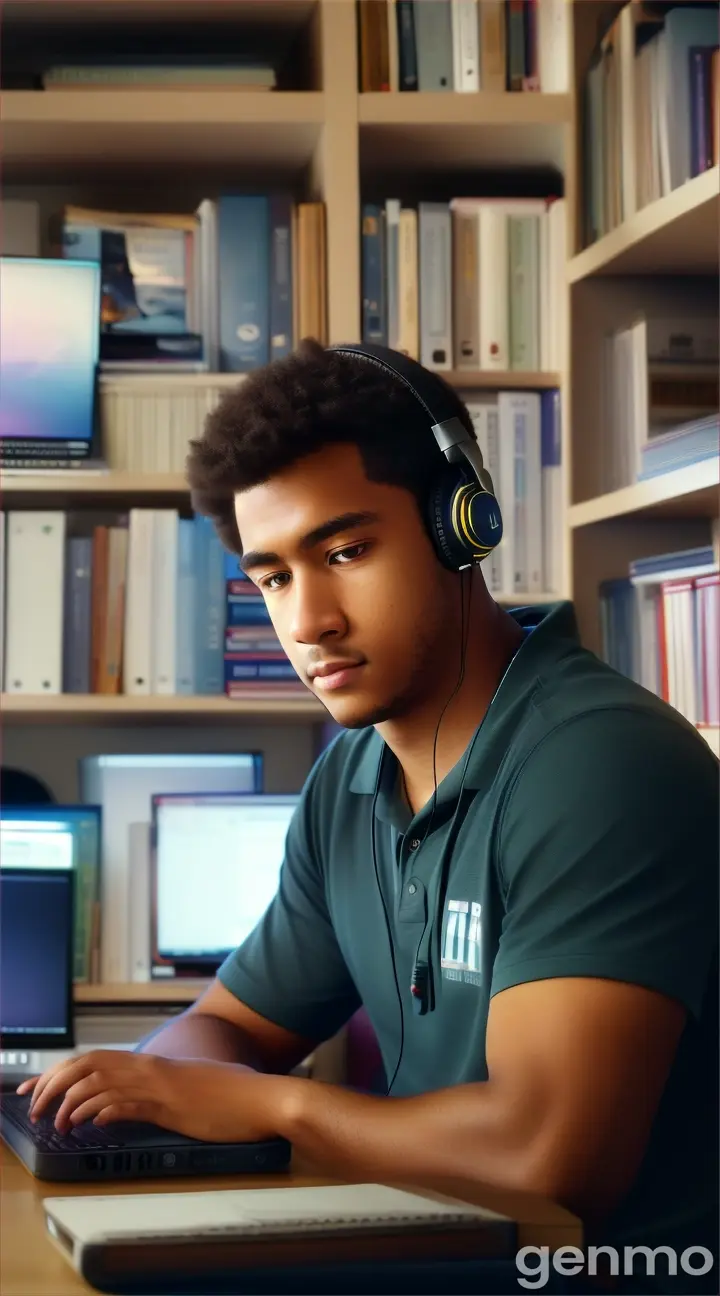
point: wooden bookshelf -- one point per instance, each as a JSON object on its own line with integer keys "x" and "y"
{"x": 677, "y": 234}
{"x": 687, "y": 492}
{"x": 171, "y": 991}
{"x": 104, "y": 709}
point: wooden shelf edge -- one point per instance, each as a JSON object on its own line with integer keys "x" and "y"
{"x": 72, "y": 482}
{"x": 397, "y": 108}
{"x": 502, "y": 380}
{"x": 678, "y": 485}
{"x": 284, "y": 108}
{"x": 644, "y": 224}
{"x": 140, "y": 992}
{"x": 98, "y": 707}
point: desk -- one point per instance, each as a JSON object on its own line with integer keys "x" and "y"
{"x": 31, "y": 1266}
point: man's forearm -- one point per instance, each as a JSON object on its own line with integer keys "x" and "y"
{"x": 460, "y": 1133}
{"x": 199, "y": 1035}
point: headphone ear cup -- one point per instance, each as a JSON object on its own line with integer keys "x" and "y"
{"x": 485, "y": 519}
{"x": 465, "y": 521}
{"x": 449, "y": 549}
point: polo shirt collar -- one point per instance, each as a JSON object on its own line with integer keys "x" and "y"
{"x": 552, "y": 634}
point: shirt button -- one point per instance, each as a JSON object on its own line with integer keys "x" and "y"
{"x": 414, "y": 843}
{"x": 412, "y": 889}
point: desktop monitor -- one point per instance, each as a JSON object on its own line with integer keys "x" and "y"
{"x": 124, "y": 784}
{"x": 215, "y": 867}
{"x": 36, "y": 936}
{"x": 50, "y": 329}
{"x": 30, "y": 832}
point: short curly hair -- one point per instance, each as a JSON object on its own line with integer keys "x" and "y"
{"x": 287, "y": 410}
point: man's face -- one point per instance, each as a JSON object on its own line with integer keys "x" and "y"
{"x": 365, "y": 595}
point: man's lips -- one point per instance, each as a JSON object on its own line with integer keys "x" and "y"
{"x": 332, "y": 675}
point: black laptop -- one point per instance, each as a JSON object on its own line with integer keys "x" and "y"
{"x": 36, "y": 1012}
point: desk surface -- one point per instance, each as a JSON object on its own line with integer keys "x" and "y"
{"x": 31, "y": 1266}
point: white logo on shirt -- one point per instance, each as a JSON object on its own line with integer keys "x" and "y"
{"x": 462, "y": 947}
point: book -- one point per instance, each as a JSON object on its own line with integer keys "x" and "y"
{"x": 169, "y": 1235}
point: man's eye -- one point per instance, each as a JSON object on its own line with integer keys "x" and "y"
{"x": 353, "y": 550}
{"x": 267, "y": 583}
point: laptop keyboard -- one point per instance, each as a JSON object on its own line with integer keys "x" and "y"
{"x": 85, "y": 1137}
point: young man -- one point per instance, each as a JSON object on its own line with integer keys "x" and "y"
{"x": 509, "y": 858}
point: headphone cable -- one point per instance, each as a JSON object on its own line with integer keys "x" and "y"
{"x": 464, "y": 635}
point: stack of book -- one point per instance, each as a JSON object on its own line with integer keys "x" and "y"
{"x": 224, "y": 289}
{"x": 651, "y": 109}
{"x": 254, "y": 657}
{"x": 467, "y": 284}
{"x": 142, "y": 603}
{"x": 661, "y": 391}
{"x": 464, "y": 45}
{"x": 661, "y": 627}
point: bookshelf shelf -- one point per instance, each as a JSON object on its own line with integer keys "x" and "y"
{"x": 70, "y": 483}
{"x": 676, "y": 234}
{"x": 102, "y": 129}
{"x": 436, "y": 133}
{"x": 505, "y": 380}
{"x": 66, "y": 708}
{"x": 482, "y": 109}
{"x": 144, "y": 992}
{"x": 686, "y": 493}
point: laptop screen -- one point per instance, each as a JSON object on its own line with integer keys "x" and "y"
{"x": 216, "y": 867}
{"x": 50, "y": 324}
{"x": 36, "y": 933}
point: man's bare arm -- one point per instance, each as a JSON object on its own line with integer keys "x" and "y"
{"x": 220, "y": 1028}
{"x": 576, "y": 1067}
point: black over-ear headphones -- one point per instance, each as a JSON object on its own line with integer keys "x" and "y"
{"x": 463, "y": 514}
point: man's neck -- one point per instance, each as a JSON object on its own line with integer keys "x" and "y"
{"x": 493, "y": 639}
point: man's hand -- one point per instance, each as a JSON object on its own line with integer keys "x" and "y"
{"x": 216, "y": 1101}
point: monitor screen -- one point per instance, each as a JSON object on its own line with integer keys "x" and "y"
{"x": 50, "y": 832}
{"x": 216, "y": 867}
{"x": 36, "y": 935}
{"x": 49, "y": 324}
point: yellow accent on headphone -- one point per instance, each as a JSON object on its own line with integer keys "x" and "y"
{"x": 461, "y": 521}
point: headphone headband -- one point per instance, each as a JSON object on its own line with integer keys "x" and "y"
{"x": 464, "y": 519}
{"x": 439, "y": 403}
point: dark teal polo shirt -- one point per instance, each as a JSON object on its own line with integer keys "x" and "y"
{"x": 577, "y": 836}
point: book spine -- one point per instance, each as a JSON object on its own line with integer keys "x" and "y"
{"x": 281, "y": 276}
{"x": 466, "y": 290}
{"x": 78, "y": 612}
{"x": 466, "y": 61}
{"x": 210, "y": 624}
{"x": 392, "y": 283}
{"x": 374, "y": 304}
{"x": 436, "y": 345}
{"x": 244, "y": 247}
{"x": 407, "y": 51}
{"x": 433, "y": 34}
{"x": 185, "y": 622}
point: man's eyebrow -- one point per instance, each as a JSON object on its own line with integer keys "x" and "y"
{"x": 325, "y": 531}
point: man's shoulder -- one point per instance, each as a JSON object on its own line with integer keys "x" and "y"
{"x": 590, "y": 732}
{"x": 583, "y": 698}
